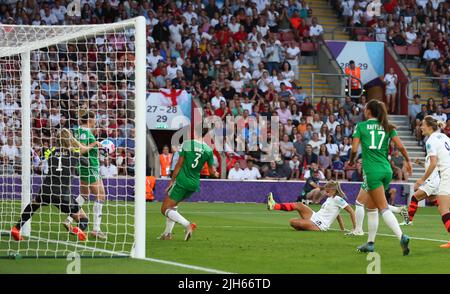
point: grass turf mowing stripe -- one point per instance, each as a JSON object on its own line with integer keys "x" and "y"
{"x": 119, "y": 254}
{"x": 337, "y": 230}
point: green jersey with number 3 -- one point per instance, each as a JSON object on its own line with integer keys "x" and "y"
{"x": 375, "y": 145}
{"x": 195, "y": 155}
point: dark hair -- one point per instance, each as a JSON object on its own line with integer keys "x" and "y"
{"x": 378, "y": 110}
{"x": 434, "y": 123}
{"x": 84, "y": 115}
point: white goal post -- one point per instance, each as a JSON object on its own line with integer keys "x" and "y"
{"x": 25, "y": 52}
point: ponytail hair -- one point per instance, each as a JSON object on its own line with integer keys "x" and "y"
{"x": 378, "y": 110}
{"x": 434, "y": 123}
{"x": 67, "y": 140}
{"x": 335, "y": 186}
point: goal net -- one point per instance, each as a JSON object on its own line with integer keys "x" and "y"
{"x": 55, "y": 77}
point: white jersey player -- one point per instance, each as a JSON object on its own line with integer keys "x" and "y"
{"x": 429, "y": 189}
{"x": 321, "y": 220}
{"x": 438, "y": 151}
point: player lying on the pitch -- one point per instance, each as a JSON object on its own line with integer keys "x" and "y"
{"x": 321, "y": 220}
{"x": 55, "y": 189}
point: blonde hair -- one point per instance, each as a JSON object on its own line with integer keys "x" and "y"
{"x": 434, "y": 123}
{"x": 335, "y": 186}
{"x": 67, "y": 140}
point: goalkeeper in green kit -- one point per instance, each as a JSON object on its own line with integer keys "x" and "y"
{"x": 185, "y": 181}
{"x": 90, "y": 180}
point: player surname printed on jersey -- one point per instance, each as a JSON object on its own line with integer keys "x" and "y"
{"x": 168, "y": 109}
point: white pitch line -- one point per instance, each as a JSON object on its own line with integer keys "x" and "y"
{"x": 194, "y": 267}
{"x": 199, "y": 268}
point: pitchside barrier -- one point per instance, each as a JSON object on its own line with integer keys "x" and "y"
{"x": 227, "y": 191}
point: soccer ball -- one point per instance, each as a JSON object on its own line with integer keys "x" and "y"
{"x": 108, "y": 146}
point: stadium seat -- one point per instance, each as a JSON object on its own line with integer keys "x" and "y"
{"x": 413, "y": 50}
{"x": 365, "y": 38}
{"x": 309, "y": 47}
{"x": 401, "y": 50}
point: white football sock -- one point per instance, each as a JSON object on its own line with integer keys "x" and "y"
{"x": 391, "y": 222}
{"x": 395, "y": 209}
{"x": 98, "y": 206}
{"x": 359, "y": 212}
{"x": 372, "y": 224}
{"x": 177, "y": 217}
{"x": 169, "y": 224}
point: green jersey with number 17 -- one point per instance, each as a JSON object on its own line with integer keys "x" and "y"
{"x": 195, "y": 155}
{"x": 375, "y": 145}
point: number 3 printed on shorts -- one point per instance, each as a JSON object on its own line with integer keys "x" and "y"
{"x": 197, "y": 157}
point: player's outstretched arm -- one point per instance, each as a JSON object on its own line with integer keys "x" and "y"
{"x": 85, "y": 149}
{"x": 213, "y": 172}
{"x": 355, "y": 146}
{"x": 350, "y": 211}
{"x": 341, "y": 222}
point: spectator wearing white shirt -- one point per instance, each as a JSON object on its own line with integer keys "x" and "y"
{"x": 215, "y": 101}
{"x": 173, "y": 68}
{"x": 233, "y": 25}
{"x": 154, "y": 58}
{"x": 262, "y": 27}
{"x": 236, "y": 173}
{"x": 391, "y": 80}
{"x": 190, "y": 14}
{"x": 294, "y": 164}
{"x": 59, "y": 11}
{"x": 314, "y": 167}
{"x": 9, "y": 151}
{"x": 245, "y": 75}
{"x": 431, "y": 53}
{"x": 293, "y": 55}
{"x": 316, "y": 30}
{"x": 237, "y": 83}
{"x": 108, "y": 170}
{"x": 440, "y": 115}
{"x": 332, "y": 123}
{"x": 411, "y": 35}
{"x": 251, "y": 172}
{"x": 9, "y": 106}
{"x": 48, "y": 16}
{"x": 240, "y": 63}
{"x": 315, "y": 143}
{"x": 176, "y": 30}
{"x": 255, "y": 56}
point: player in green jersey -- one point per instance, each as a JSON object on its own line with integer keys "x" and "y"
{"x": 374, "y": 135}
{"x": 90, "y": 180}
{"x": 185, "y": 181}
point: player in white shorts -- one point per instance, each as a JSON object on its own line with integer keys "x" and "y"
{"x": 438, "y": 151}
{"x": 429, "y": 189}
{"x": 321, "y": 220}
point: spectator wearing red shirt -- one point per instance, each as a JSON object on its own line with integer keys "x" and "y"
{"x": 223, "y": 110}
{"x": 223, "y": 36}
{"x": 441, "y": 43}
{"x": 241, "y": 35}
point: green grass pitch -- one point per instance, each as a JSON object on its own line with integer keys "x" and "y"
{"x": 246, "y": 238}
